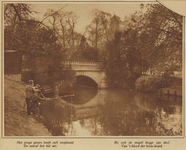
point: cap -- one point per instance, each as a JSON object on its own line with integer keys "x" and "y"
{"x": 30, "y": 81}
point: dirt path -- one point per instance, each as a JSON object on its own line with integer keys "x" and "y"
{"x": 16, "y": 121}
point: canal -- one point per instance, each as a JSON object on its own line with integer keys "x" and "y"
{"x": 112, "y": 112}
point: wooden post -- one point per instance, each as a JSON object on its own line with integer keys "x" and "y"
{"x": 168, "y": 94}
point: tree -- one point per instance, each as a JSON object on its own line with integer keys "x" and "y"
{"x": 118, "y": 65}
{"x": 14, "y": 14}
{"x": 114, "y": 26}
{"x": 97, "y": 33}
{"x": 84, "y": 51}
{"x": 72, "y": 19}
{"x": 63, "y": 24}
{"x": 161, "y": 35}
{"x": 79, "y": 53}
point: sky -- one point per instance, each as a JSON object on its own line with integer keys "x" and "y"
{"x": 84, "y": 10}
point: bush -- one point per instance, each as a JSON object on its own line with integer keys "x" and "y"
{"x": 150, "y": 83}
{"x": 49, "y": 76}
{"x": 26, "y": 76}
{"x": 39, "y": 78}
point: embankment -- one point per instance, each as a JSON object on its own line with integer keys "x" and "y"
{"x": 16, "y": 121}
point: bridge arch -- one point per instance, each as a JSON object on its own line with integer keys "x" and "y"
{"x": 97, "y": 76}
{"x": 86, "y": 80}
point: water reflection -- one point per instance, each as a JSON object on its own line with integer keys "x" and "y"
{"x": 82, "y": 94}
{"x": 113, "y": 113}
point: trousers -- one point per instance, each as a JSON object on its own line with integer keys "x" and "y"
{"x": 28, "y": 105}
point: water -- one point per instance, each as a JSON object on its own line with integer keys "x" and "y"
{"x": 93, "y": 112}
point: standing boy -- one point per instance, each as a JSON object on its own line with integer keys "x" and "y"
{"x": 29, "y": 95}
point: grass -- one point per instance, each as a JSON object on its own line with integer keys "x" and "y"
{"x": 16, "y": 121}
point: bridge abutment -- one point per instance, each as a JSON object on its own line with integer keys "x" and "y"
{"x": 103, "y": 83}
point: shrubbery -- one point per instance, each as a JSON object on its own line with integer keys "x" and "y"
{"x": 150, "y": 83}
{"x": 50, "y": 75}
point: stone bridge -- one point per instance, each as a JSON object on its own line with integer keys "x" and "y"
{"x": 90, "y": 69}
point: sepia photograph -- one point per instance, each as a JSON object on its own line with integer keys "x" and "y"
{"x": 92, "y": 69}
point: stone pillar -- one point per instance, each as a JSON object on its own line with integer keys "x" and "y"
{"x": 103, "y": 84}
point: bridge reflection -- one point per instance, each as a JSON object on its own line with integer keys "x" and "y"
{"x": 59, "y": 115}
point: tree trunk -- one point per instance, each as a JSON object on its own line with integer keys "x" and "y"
{"x": 96, "y": 46}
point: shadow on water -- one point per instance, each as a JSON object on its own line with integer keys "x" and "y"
{"x": 112, "y": 113}
{"x": 54, "y": 114}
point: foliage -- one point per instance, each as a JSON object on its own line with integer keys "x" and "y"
{"x": 118, "y": 68}
{"x": 160, "y": 36}
{"x": 14, "y": 14}
{"x": 50, "y": 75}
{"x": 84, "y": 51}
{"x": 27, "y": 34}
{"x": 150, "y": 83}
{"x": 38, "y": 43}
{"x": 150, "y": 41}
{"x": 66, "y": 73}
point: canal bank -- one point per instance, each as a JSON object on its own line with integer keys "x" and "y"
{"x": 16, "y": 121}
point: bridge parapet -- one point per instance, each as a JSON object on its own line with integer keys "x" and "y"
{"x": 83, "y": 64}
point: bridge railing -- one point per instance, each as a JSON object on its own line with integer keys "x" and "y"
{"x": 83, "y": 64}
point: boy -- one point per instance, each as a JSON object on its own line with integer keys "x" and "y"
{"x": 29, "y": 95}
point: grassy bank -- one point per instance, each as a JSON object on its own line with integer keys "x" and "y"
{"x": 153, "y": 83}
{"x": 16, "y": 121}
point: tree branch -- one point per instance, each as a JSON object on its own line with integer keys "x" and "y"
{"x": 176, "y": 19}
{"x": 16, "y": 11}
{"x": 53, "y": 13}
{"x": 28, "y": 9}
{"x": 164, "y": 30}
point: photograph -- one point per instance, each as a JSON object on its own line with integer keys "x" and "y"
{"x": 92, "y": 69}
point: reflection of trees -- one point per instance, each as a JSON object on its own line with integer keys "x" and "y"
{"x": 82, "y": 122}
{"x": 55, "y": 114}
{"x": 128, "y": 123}
{"x": 92, "y": 125}
{"x": 145, "y": 115}
{"x": 167, "y": 120}
{"x": 169, "y": 123}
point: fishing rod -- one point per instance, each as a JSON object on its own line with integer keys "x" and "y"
{"x": 67, "y": 95}
{"x": 43, "y": 96}
{"x": 58, "y": 96}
